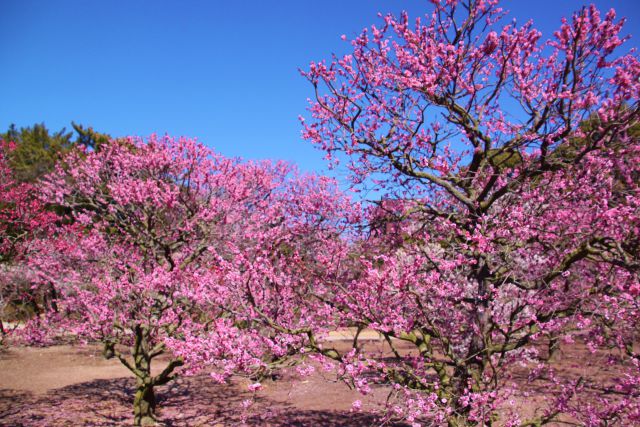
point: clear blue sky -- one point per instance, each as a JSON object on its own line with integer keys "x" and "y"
{"x": 223, "y": 71}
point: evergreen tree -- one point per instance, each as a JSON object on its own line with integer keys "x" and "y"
{"x": 90, "y": 138}
{"x": 36, "y": 150}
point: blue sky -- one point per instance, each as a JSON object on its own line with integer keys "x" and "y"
{"x": 225, "y": 72}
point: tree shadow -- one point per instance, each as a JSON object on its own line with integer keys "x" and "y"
{"x": 98, "y": 402}
{"x": 191, "y": 401}
{"x": 300, "y": 418}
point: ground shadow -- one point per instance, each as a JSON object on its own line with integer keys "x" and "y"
{"x": 193, "y": 401}
{"x": 98, "y": 402}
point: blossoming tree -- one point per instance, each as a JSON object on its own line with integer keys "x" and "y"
{"x": 157, "y": 253}
{"x": 512, "y": 168}
{"x": 22, "y": 219}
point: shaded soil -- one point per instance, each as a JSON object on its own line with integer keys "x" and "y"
{"x": 75, "y": 386}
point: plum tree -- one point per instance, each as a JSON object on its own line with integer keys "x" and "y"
{"x": 166, "y": 234}
{"x": 512, "y": 164}
{"x": 23, "y": 218}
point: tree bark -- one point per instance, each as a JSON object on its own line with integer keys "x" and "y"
{"x": 144, "y": 404}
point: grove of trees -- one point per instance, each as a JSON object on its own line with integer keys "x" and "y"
{"x": 508, "y": 226}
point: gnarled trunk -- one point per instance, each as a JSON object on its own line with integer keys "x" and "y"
{"x": 144, "y": 404}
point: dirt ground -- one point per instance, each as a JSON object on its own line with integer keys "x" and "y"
{"x": 75, "y": 386}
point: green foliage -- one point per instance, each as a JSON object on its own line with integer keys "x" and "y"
{"x": 502, "y": 159}
{"x": 90, "y": 138}
{"x": 37, "y": 149}
{"x": 596, "y": 135}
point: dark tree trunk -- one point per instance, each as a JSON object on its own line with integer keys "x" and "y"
{"x": 144, "y": 402}
{"x": 144, "y": 405}
{"x": 51, "y": 298}
{"x": 470, "y": 374}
